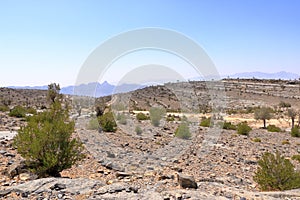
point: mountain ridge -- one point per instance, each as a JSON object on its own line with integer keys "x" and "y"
{"x": 97, "y": 89}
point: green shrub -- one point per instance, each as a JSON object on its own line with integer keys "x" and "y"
{"x": 18, "y": 111}
{"x": 256, "y": 140}
{"x": 4, "y": 108}
{"x": 138, "y": 130}
{"x": 31, "y": 111}
{"x": 243, "y": 128}
{"x": 295, "y": 132}
{"x": 121, "y": 118}
{"x": 47, "y": 144}
{"x": 276, "y": 173}
{"x": 296, "y": 157}
{"x": 93, "y": 124}
{"x": 107, "y": 122}
{"x": 284, "y": 142}
{"x": 170, "y": 118}
{"x": 141, "y": 116}
{"x": 273, "y": 128}
{"x": 283, "y": 104}
{"x": 156, "y": 114}
{"x": 183, "y": 131}
{"x": 205, "y": 122}
{"x": 229, "y": 126}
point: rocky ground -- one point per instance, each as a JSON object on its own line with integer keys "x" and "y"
{"x": 213, "y": 164}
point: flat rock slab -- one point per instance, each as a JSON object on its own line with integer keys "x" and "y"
{"x": 7, "y": 135}
{"x": 73, "y": 186}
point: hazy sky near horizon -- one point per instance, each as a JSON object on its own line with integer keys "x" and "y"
{"x": 48, "y": 41}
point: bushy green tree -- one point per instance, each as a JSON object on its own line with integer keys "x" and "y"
{"x": 243, "y": 128}
{"x": 156, "y": 114}
{"x": 46, "y": 142}
{"x": 183, "y": 131}
{"x": 107, "y": 122}
{"x": 276, "y": 173}
{"x": 264, "y": 114}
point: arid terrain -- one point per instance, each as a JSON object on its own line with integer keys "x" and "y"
{"x": 215, "y": 163}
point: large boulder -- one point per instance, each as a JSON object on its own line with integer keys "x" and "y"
{"x": 186, "y": 181}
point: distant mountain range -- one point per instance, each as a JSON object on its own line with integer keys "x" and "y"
{"x": 260, "y": 75}
{"x": 96, "y": 89}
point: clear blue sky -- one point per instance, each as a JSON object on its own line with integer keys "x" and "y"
{"x": 48, "y": 41}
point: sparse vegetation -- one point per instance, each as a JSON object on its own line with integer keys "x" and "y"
{"x": 142, "y": 116}
{"x": 18, "y": 111}
{"x": 170, "y": 118}
{"x": 107, "y": 122}
{"x": 276, "y": 173}
{"x": 205, "y": 122}
{"x": 284, "y": 142}
{"x": 121, "y": 118}
{"x": 229, "y": 126}
{"x": 138, "y": 130}
{"x": 295, "y": 132}
{"x": 156, "y": 114}
{"x": 243, "y": 128}
{"x": 93, "y": 124}
{"x": 296, "y": 157}
{"x": 256, "y": 140}
{"x": 4, "y": 108}
{"x": 183, "y": 131}
{"x": 273, "y": 128}
{"x": 283, "y": 104}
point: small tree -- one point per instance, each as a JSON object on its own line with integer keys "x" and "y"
{"x": 292, "y": 114}
{"x": 263, "y": 114}
{"x": 53, "y": 92}
{"x": 46, "y": 142}
{"x": 156, "y": 114}
{"x": 276, "y": 173}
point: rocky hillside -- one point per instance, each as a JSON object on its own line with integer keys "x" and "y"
{"x": 213, "y": 164}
